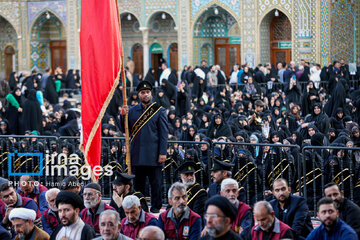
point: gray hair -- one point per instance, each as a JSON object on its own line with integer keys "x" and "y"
{"x": 130, "y": 201}
{"x": 265, "y": 204}
{"x": 176, "y": 186}
{"x": 111, "y": 212}
{"x": 51, "y": 191}
{"x": 155, "y": 229}
{"x": 228, "y": 181}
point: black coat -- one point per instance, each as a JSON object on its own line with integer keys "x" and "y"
{"x": 350, "y": 213}
{"x": 222, "y": 130}
{"x": 13, "y": 115}
{"x": 50, "y": 91}
{"x": 32, "y": 114}
{"x": 296, "y": 214}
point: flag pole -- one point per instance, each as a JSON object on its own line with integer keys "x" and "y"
{"x": 126, "y": 123}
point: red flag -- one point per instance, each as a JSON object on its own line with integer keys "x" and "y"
{"x": 101, "y": 51}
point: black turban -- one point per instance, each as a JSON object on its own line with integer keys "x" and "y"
{"x": 224, "y": 205}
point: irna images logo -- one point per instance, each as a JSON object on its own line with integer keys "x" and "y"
{"x": 18, "y": 163}
{"x": 53, "y": 165}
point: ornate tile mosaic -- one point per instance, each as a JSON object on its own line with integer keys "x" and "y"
{"x": 197, "y": 5}
{"x": 342, "y": 31}
{"x": 58, "y": 7}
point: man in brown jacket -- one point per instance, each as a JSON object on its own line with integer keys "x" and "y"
{"x": 22, "y": 220}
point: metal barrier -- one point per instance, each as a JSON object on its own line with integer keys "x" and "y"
{"x": 324, "y": 164}
{"x": 256, "y": 166}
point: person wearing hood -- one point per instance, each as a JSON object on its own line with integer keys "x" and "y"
{"x": 32, "y": 115}
{"x": 246, "y": 173}
{"x": 52, "y": 89}
{"x": 14, "y": 110}
{"x": 337, "y": 120}
{"x": 69, "y": 124}
{"x": 218, "y": 128}
{"x": 338, "y": 98}
{"x": 222, "y": 97}
{"x": 162, "y": 99}
{"x": 150, "y": 76}
{"x": 13, "y": 81}
{"x": 4, "y": 127}
{"x": 173, "y": 77}
{"x": 182, "y": 99}
{"x": 133, "y": 99}
{"x": 169, "y": 90}
{"x": 318, "y": 118}
{"x": 309, "y": 98}
{"x": 115, "y": 103}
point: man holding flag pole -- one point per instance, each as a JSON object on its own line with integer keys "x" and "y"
{"x": 148, "y": 140}
{"x": 102, "y": 64}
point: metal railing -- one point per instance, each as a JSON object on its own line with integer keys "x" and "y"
{"x": 256, "y": 166}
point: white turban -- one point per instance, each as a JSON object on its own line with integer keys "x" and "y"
{"x": 22, "y": 213}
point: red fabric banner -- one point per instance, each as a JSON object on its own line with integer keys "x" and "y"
{"x": 101, "y": 60}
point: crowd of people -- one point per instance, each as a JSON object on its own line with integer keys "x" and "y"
{"x": 77, "y": 212}
{"x": 296, "y": 105}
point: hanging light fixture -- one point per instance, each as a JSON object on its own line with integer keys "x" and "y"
{"x": 163, "y": 16}
{"x": 216, "y": 11}
{"x": 129, "y": 17}
{"x": 276, "y": 13}
{"x": 47, "y": 15}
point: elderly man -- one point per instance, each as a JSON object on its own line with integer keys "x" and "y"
{"x": 332, "y": 227}
{"x": 110, "y": 226}
{"x": 349, "y": 211}
{"x": 72, "y": 226}
{"x": 244, "y": 217}
{"x": 219, "y": 171}
{"x": 151, "y": 233}
{"x": 50, "y": 217}
{"x": 220, "y": 214}
{"x": 123, "y": 186}
{"x": 136, "y": 218}
{"x": 93, "y": 206}
{"x": 14, "y": 200}
{"x": 290, "y": 209}
{"x": 22, "y": 220}
{"x": 269, "y": 227}
{"x": 179, "y": 222}
{"x": 195, "y": 192}
{"x": 34, "y": 190}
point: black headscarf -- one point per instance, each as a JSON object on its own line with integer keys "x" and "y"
{"x": 32, "y": 114}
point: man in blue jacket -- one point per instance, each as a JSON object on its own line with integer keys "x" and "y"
{"x": 348, "y": 210}
{"x": 290, "y": 209}
{"x": 148, "y": 129}
{"x": 332, "y": 227}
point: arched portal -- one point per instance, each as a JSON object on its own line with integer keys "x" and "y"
{"x": 138, "y": 58}
{"x": 275, "y": 38}
{"x": 163, "y": 33}
{"x": 131, "y": 35}
{"x": 8, "y": 43}
{"x": 48, "y": 42}
{"x": 217, "y": 31}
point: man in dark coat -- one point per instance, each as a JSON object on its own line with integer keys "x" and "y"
{"x": 220, "y": 170}
{"x": 122, "y": 187}
{"x": 291, "y": 209}
{"x": 149, "y": 134}
{"x": 349, "y": 211}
